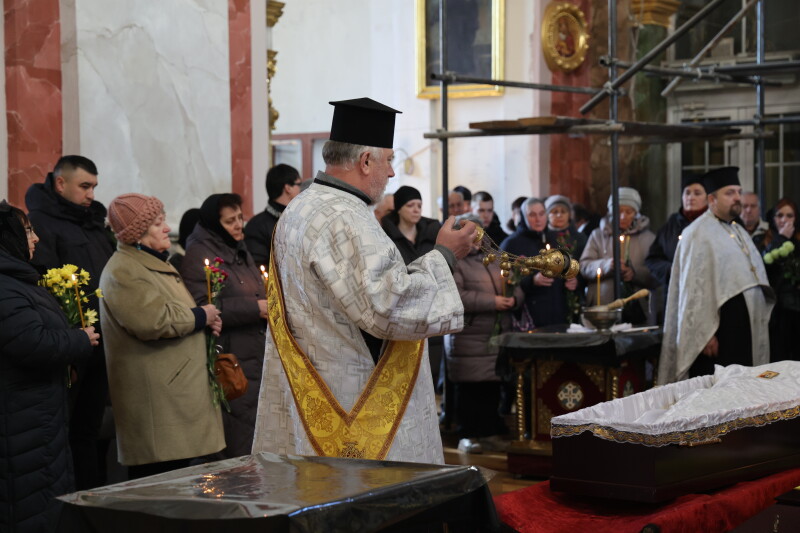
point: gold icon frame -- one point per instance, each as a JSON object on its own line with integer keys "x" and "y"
{"x": 564, "y": 50}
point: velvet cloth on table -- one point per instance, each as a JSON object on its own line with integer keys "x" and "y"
{"x": 537, "y": 509}
{"x": 36, "y": 345}
{"x": 242, "y": 328}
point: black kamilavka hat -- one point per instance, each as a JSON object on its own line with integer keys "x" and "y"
{"x": 720, "y": 177}
{"x": 363, "y": 121}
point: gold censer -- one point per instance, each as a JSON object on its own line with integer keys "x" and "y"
{"x": 552, "y": 263}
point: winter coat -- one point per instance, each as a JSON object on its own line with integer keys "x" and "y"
{"x": 662, "y": 251}
{"x": 785, "y": 316}
{"x": 69, "y": 234}
{"x": 258, "y": 233}
{"x": 156, "y": 362}
{"x": 242, "y": 328}
{"x": 495, "y": 230}
{"x": 599, "y": 253}
{"x": 36, "y": 345}
{"x": 470, "y": 357}
{"x": 545, "y": 305}
{"x": 427, "y": 231}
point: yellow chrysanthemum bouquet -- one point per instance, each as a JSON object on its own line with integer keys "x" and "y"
{"x": 65, "y": 284}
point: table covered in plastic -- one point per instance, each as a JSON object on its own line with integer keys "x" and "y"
{"x": 274, "y": 493}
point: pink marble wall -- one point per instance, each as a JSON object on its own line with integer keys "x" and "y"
{"x": 33, "y": 92}
{"x": 241, "y": 102}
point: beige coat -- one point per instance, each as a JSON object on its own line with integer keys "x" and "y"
{"x": 156, "y": 362}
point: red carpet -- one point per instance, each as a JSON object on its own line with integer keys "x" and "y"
{"x": 536, "y": 509}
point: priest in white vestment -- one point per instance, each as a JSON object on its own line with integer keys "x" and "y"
{"x": 347, "y": 293}
{"x": 719, "y": 299}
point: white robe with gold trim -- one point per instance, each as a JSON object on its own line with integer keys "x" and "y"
{"x": 710, "y": 268}
{"x": 340, "y": 274}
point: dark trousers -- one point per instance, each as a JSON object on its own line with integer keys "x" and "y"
{"x": 476, "y": 406}
{"x": 734, "y": 337}
{"x": 88, "y": 402}
{"x": 151, "y": 469}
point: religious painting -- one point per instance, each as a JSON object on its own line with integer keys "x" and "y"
{"x": 475, "y": 37}
{"x": 565, "y": 39}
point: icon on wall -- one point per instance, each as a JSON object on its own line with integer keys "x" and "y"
{"x": 565, "y": 39}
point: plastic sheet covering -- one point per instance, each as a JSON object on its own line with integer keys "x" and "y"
{"x": 556, "y": 337}
{"x": 284, "y": 493}
{"x": 694, "y": 410}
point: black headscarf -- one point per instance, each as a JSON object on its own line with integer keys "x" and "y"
{"x": 13, "y": 239}
{"x": 209, "y": 217}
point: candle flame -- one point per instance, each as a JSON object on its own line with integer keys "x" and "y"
{"x": 599, "y": 271}
{"x": 547, "y": 247}
{"x": 74, "y": 278}
{"x": 263, "y": 268}
{"x": 206, "y": 261}
{"x": 680, "y": 237}
{"x": 622, "y": 238}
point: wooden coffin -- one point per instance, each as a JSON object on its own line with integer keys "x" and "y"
{"x": 691, "y": 436}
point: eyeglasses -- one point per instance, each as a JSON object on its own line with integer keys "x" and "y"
{"x": 29, "y": 231}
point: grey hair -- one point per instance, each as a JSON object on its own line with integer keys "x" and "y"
{"x": 529, "y": 202}
{"x": 346, "y": 155}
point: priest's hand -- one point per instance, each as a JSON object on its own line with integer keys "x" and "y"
{"x": 503, "y": 303}
{"x": 712, "y": 348}
{"x": 458, "y": 241}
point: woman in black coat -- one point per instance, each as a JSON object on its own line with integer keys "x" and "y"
{"x": 413, "y": 234}
{"x": 545, "y": 298}
{"x": 36, "y": 347}
{"x": 242, "y": 302}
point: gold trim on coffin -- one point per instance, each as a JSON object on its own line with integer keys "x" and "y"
{"x": 684, "y": 438}
{"x": 367, "y": 431}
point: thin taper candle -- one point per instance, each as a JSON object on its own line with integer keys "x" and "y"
{"x": 208, "y": 280}
{"x": 598, "y": 285}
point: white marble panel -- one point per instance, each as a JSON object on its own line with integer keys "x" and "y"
{"x": 153, "y": 97}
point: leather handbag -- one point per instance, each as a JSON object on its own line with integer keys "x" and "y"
{"x": 230, "y": 375}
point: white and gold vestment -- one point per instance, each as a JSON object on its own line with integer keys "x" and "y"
{"x": 340, "y": 274}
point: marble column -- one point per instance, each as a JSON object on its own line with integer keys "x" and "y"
{"x": 33, "y": 92}
{"x": 241, "y": 102}
{"x": 649, "y": 164}
{"x": 147, "y": 96}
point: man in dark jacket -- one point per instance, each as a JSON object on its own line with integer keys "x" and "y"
{"x": 283, "y": 184}
{"x": 483, "y": 208}
{"x": 71, "y": 229}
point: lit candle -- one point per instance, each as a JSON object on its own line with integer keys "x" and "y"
{"x": 627, "y": 248}
{"x": 547, "y": 247}
{"x": 598, "y": 286}
{"x": 622, "y": 246}
{"x": 78, "y": 299}
{"x": 208, "y": 280}
{"x": 266, "y": 277}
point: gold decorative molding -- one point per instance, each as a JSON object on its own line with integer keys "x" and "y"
{"x": 274, "y": 12}
{"x": 272, "y": 63}
{"x": 655, "y": 12}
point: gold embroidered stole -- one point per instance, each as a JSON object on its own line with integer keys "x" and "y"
{"x": 367, "y": 431}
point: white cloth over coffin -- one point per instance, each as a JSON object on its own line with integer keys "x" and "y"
{"x": 733, "y": 392}
{"x": 710, "y": 268}
{"x": 340, "y": 274}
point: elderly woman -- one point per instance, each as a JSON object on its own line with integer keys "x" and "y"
{"x": 413, "y": 234}
{"x": 471, "y": 357}
{"x": 545, "y": 298}
{"x": 242, "y": 302}
{"x": 36, "y": 347}
{"x": 155, "y": 347}
{"x": 783, "y": 228}
{"x": 694, "y": 202}
{"x": 636, "y": 242}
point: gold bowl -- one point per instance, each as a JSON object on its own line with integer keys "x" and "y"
{"x": 601, "y": 317}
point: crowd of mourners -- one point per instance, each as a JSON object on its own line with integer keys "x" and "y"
{"x": 147, "y": 356}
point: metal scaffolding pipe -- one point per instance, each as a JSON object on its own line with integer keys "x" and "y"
{"x": 696, "y": 73}
{"x": 760, "y": 51}
{"x": 613, "y": 85}
{"x": 707, "y": 48}
{"x": 452, "y": 77}
{"x": 790, "y": 119}
{"x": 443, "y": 100}
{"x": 614, "y": 115}
{"x": 600, "y": 129}
{"x": 768, "y": 66}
